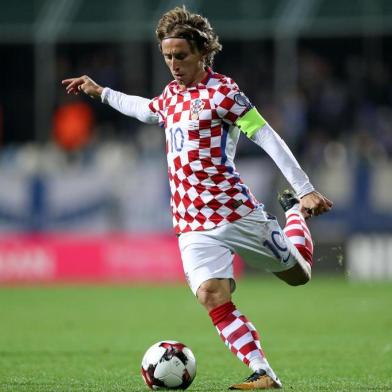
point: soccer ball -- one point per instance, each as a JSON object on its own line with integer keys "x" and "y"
{"x": 168, "y": 365}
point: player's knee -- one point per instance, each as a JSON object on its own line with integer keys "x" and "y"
{"x": 212, "y": 294}
{"x": 208, "y": 296}
{"x": 299, "y": 280}
{"x": 295, "y": 276}
{"x": 204, "y": 296}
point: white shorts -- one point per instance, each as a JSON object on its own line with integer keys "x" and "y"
{"x": 257, "y": 238}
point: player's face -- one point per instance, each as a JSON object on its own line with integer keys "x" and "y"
{"x": 185, "y": 63}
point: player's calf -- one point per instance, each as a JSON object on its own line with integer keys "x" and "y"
{"x": 241, "y": 337}
{"x": 296, "y": 228}
{"x": 299, "y": 235}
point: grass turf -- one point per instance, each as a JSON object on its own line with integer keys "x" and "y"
{"x": 327, "y": 336}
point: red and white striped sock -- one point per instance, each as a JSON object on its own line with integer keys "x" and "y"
{"x": 239, "y": 335}
{"x": 298, "y": 233}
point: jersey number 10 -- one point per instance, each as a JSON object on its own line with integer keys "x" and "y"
{"x": 176, "y": 139}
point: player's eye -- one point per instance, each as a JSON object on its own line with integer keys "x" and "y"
{"x": 180, "y": 56}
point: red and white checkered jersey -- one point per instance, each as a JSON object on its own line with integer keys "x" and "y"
{"x": 201, "y": 139}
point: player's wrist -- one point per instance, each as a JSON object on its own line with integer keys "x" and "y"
{"x": 305, "y": 190}
{"x": 99, "y": 92}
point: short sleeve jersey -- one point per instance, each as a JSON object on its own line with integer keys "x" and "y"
{"x": 201, "y": 136}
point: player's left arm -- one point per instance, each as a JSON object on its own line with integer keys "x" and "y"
{"x": 233, "y": 107}
{"x": 259, "y": 131}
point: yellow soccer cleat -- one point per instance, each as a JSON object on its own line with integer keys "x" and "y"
{"x": 258, "y": 380}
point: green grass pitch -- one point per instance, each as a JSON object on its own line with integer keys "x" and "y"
{"x": 329, "y": 335}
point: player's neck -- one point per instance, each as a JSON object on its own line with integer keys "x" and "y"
{"x": 199, "y": 77}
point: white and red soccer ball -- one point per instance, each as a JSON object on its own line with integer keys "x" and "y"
{"x": 168, "y": 365}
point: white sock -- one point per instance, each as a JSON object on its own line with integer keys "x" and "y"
{"x": 258, "y": 363}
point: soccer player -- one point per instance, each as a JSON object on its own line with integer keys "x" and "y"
{"x": 214, "y": 213}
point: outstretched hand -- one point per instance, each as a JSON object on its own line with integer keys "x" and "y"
{"x": 82, "y": 84}
{"x": 313, "y": 204}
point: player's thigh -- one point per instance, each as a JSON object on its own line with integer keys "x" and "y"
{"x": 205, "y": 258}
{"x": 260, "y": 242}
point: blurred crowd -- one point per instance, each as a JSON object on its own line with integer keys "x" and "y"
{"x": 339, "y": 109}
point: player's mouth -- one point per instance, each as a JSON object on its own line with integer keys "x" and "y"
{"x": 178, "y": 76}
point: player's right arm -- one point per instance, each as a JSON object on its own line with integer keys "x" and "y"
{"x": 130, "y": 105}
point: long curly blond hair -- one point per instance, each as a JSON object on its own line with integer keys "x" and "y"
{"x": 196, "y": 29}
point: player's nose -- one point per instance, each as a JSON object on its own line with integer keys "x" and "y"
{"x": 174, "y": 65}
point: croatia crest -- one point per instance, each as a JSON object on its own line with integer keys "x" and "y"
{"x": 197, "y": 105}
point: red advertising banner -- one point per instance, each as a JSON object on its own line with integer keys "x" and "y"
{"x": 100, "y": 258}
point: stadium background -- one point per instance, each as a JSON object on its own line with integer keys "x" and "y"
{"x": 319, "y": 71}
{"x": 84, "y": 195}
